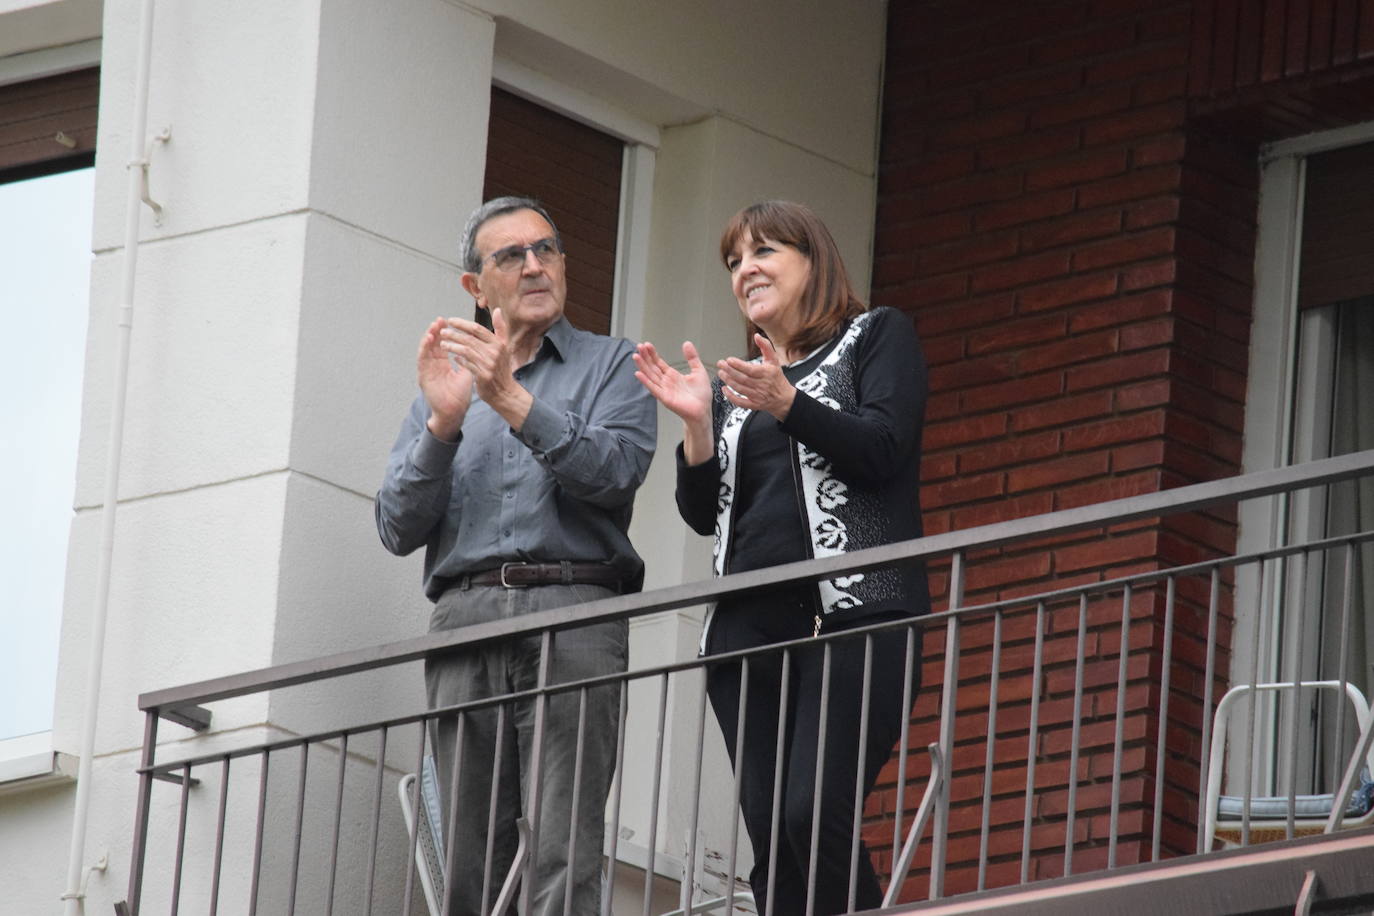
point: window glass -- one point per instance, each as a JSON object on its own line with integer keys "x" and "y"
{"x": 45, "y": 257}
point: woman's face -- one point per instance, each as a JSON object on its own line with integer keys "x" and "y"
{"x": 768, "y": 278}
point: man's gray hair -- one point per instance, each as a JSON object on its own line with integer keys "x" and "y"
{"x": 497, "y": 206}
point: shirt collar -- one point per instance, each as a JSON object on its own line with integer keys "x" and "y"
{"x": 559, "y": 337}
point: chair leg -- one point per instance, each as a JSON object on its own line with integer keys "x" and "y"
{"x": 522, "y": 852}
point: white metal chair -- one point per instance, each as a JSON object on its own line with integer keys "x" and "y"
{"x": 1225, "y": 815}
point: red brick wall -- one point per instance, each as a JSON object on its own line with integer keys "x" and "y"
{"x": 1076, "y": 249}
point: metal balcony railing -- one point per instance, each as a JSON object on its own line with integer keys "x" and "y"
{"x": 1072, "y": 714}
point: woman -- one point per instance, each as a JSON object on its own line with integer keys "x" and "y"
{"x": 812, "y": 449}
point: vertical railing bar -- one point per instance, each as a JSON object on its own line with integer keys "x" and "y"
{"x": 338, "y": 826}
{"x": 536, "y": 771}
{"x": 1294, "y": 704}
{"x": 690, "y": 878}
{"x": 1165, "y": 679}
{"x": 654, "y": 795}
{"x": 615, "y": 795}
{"x": 859, "y": 777}
{"x": 1076, "y": 734}
{"x": 416, "y": 805}
{"x": 376, "y": 821}
{"x": 812, "y": 856}
{"x": 990, "y": 750}
{"x": 778, "y": 757}
{"x": 139, "y": 851}
{"x": 1119, "y": 737}
{"x": 217, "y": 863}
{"x": 181, "y": 839}
{"x": 902, "y": 753}
{"x": 1251, "y": 738}
{"x": 451, "y": 850}
{"x": 300, "y": 825}
{"x": 939, "y": 849}
{"x": 1204, "y": 842}
{"x": 742, "y": 713}
{"x": 257, "y": 840}
{"x": 1033, "y": 739}
{"x": 1343, "y": 663}
{"x": 578, "y": 751}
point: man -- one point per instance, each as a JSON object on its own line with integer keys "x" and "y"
{"x": 516, "y": 469}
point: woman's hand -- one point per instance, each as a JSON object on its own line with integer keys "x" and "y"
{"x": 758, "y": 386}
{"x": 688, "y": 396}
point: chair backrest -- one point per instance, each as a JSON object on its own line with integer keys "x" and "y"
{"x": 1221, "y": 727}
{"x": 429, "y": 845}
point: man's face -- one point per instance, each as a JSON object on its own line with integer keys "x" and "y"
{"x": 531, "y": 293}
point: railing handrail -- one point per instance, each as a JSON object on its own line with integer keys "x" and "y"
{"x": 1165, "y": 502}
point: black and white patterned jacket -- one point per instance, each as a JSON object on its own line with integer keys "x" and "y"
{"x": 855, "y": 430}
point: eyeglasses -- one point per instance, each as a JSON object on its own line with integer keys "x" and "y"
{"x": 512, "y": 257}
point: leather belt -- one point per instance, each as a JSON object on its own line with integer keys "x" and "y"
{"x": 565, "y": 572}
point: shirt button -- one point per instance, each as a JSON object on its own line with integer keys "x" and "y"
{"x": 506, "y": 532}
{"x": 510, "y": 495}
{"x": 510, "y": 454}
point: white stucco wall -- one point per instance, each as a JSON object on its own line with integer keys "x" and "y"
{"x": 322, "y": 158}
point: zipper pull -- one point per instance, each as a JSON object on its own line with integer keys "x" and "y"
{"x": 817, "y": 632}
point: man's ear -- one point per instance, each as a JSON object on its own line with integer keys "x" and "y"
{"x": 469, "y": 281}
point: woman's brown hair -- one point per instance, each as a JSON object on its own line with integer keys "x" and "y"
{"x": 827, "y": 301}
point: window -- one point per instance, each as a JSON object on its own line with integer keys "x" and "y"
{"x": 1311, "y": 396}
{"x": 45, "y": 255}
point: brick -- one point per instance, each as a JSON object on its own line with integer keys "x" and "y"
{"x": 964, "y": 315}
{"x": 920, "y": 295}
{"x": 970, "y": 192}
{"x": 928, "y": 230}
{"x": 1132, "y": 186}
{"x": 1137, "y": 455}
{"x": 1101, "y": 491}
{"x": 1063, "y": 411}
{"x": 893, "y": 269}
{"x": 1086, "y": 43}
{"x": 1028, "y": 147}
{"x": 1050, "y": 473}
{"x": 1006, "y": 571}
{"x": 978, "y": 129}
{"x": 1029, "y": 269}
{"x": 963, "y": 490}
{"x": 980, "y": 249}
{"x": 1116, "y": 370}
{"x": 1114, "y": 431}
{"x": 979, "y": 68}
{"x": 1151, "y": 213}
{"x": 1003, "y": 510}
{"x": 1121, "y": 311}
{"x": 1013, "y": 451}
{"x": 1134, "y": 64}
{"x": 1016, "y": 391}
{"x": 1025, "y": 209}
{"x": 1017, "y": 333}
{"x": 1068, "y": 351}
{"x": 1064, "y": 230}
{"x": 1076, "y": 170}
{"x": 1081, "y": 106}
{"x": 941, "y": 351}
{"x": 974, "y": 371}
{"x": 1159, "y": 87}
{"x": 1147, "y": 334}
{"x": 941, "y": 405}
{"x": 1165, "y": 23}
{"x": 963, "y": 431}
{"x": 1139, "y": 122}
{"x": 938, "y": 467}
{"x": 1142, "y": 276}
{"x": 1135, "y": 247}
{"x": 1146, "y": 394}
{"x": 1158, "y": 151}
{"x": 1023, "y": 87}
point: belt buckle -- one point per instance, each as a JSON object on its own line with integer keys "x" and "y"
{"x": 504, "y": 583}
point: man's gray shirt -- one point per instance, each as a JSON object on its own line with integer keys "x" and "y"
{"x": 562, "y": 488}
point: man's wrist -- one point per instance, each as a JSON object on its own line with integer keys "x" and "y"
{"x": 445, "y": 430}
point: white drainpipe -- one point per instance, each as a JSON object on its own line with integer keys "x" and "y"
{"x": 137, "y": 178}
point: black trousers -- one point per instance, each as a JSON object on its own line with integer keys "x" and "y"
{"x": 759, "y": 622}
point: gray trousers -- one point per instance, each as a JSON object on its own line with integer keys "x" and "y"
{"x": 497, "y": 744}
